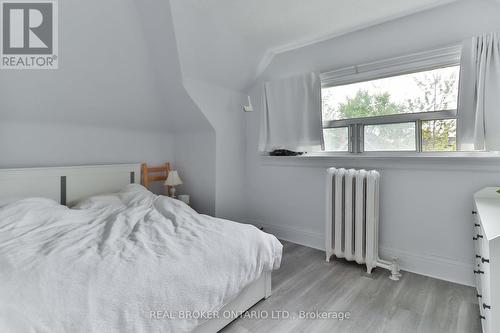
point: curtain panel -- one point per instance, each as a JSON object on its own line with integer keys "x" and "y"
{"x": 291, "y": 117}
{"x": 479, "y": 119}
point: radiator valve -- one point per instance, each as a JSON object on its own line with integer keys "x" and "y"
{"x": 395, "y": 274}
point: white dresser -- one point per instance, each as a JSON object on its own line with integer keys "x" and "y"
{"x": 486, "y": 236}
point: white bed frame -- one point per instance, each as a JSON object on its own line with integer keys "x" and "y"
{"x": 68, "y": 185}
{"x": 251, "y": 295}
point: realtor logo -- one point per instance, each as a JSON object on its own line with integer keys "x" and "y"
{"x": 28, "y": 34}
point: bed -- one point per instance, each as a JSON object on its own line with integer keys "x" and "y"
{"x": 121, "y": 259}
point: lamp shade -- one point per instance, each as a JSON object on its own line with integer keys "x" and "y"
{"x": 173, "y": 179}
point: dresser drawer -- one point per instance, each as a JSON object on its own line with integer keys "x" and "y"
{"x": 478, "y": 252}
{"x": 486, "y": 236}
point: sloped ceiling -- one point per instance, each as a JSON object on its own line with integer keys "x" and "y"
{"x": 228, "y": 42}
{"x": 118, "y": 67}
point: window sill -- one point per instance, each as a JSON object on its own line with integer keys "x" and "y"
{"x": 487, "y": 161}
{"x": 406, "y": 155}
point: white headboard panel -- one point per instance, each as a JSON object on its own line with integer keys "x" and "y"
{"x": 67, "y": 184}
{"x": 22, "y": 183}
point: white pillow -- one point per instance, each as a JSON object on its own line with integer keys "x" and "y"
{"x": 131, "y": 195}
{"x": 99, "y": 202}
{"x": 136, "y": 195}
{"x": 134, "y": 188}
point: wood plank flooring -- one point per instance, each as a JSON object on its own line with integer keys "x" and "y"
{"x": 306, "y": 282}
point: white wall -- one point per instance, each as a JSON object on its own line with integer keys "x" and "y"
{"x": 195, "y": 159}
{"x": 213, "y": 83}
{"x": 222, "y": 107}
{"x": 426, "y": 204}
{"x": 55, "y": 144}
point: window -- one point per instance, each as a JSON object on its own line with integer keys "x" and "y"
{"x": 403, "y": 104}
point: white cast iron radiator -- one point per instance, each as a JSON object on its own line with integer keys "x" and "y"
{"x": 352, "y": 218}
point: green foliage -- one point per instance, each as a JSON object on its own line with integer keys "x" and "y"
{"x": 366, "y": 105}
{"x": 439, "y": 135}
{"x": 437, "y": 93}
{"x": 363, "y": 104}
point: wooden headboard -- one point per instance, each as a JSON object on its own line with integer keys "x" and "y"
{"x": 67, "y": 185}
{"x": 155, "y": 174}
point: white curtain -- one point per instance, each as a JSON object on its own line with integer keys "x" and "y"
{"x": 481, "y": 128}
{"x": 291, "y": 116}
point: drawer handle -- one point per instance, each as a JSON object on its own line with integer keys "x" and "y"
{"x": 474, "y": 212}
{"x": 477, "y": 237}
{"x": 478, "y": 272}
{"x": 477, "y": 225}
{"x": 486, "y": 306}
{"x": 485, "y": 260}
{"x": 482, "y": 317}
{"x": 478, "y": 256}
{"x": 479, "y": 296}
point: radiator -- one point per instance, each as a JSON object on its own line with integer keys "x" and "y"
{"x": 352, "y": 218}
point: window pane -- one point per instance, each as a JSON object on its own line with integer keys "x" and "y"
{"x": 336, "y": 139}
{"x": 390, "y": 137}
{"x": 439, "y": 135}
{"x": 433, "y": 90}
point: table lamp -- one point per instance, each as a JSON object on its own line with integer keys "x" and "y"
{"x": 173, "y": 180}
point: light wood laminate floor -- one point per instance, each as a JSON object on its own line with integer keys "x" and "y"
{"x": 306, "y": 282}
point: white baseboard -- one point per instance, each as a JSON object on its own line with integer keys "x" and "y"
{"x": 297, "y": 236}
{"x": 429, "y": 265}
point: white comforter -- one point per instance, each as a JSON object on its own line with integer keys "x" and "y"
{"x": 105, "y": 266}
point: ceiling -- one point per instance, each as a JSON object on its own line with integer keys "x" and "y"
{"x": 228, "y": 42}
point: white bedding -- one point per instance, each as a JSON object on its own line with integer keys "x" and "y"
{"x": 104, "y": 266}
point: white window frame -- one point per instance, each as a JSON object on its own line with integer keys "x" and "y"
{"x": 417, "y": 62}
